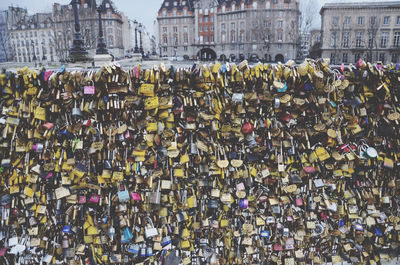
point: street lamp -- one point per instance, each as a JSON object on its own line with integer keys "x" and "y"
{"x": 101, "y": 44}
{"x": 77, "y": 51}
{"x": 159, "y": 46}
{"x": 140, "y": 33}
{"x": 135, "y": 23}
{"x": 34, "y": 54}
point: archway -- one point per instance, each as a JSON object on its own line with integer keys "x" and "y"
{"x": 207, "y": 54}
{"x": 279, "y": 58}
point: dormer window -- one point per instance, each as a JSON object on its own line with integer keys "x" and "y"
{"x": 167, "y": 4}
{"x": 175, "y": 3}
{"x": 183, "y": 3}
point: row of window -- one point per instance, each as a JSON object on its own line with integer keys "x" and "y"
{"x": 206, "y": 19}
{"x": 206, "y": 28}
{"x": 174, "y": 21}
{"x": 175, "y": 37}
{"x": 360, "y": 20}
{"x": 346, "y": 57}
{"x": 23, "y": 59}
{"x": 28, "y": 43}
{"x": 27, "y": 34}
{"x": 372, "y": 40}
{"x": 24, "y": 51}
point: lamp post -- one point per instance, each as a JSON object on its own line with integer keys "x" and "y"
{"x": 101, "y": 44}
{"x": 135, "y": 23}
{"x": 77, "y": 51}
{"x": 159, "y": 46}
{"x": 34, "y": 54}
{"x": 140, "y": 33}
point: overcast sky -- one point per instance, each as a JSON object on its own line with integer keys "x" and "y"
{"x": 145, "y": 11}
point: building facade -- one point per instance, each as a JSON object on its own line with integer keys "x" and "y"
{"x": 229, "y": 29}
{"x": 31, "y": 37}
{"x": 370, "y": 31}
{"x": 63, "y": 17}
{"x": 4, "y": 37}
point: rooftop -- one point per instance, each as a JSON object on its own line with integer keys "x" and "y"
{"x": 373, "y": 5}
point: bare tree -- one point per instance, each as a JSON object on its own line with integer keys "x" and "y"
{"x": 261, "y": 29}
{"x": 309, "y": 9}
{"x": 5, "y": 44}
{"x": 372, "y": 32}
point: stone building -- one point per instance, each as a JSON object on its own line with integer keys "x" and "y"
{"x": 361, "y": 30}
{"x": 63, "y": 16}
{"x": 229, "y": 29}
{"x": 31, "y": 36}
{"x": 4, "y": 37}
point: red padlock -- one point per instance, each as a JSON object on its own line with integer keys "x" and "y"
{"x": 247, "y": 128}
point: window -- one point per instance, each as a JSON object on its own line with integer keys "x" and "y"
{"x": 164, "y": 29}
{"x": 279, "y": 35}
{"x": 396, "y": 39}
{"x": 109, "y": 23}
{"x": 384, "y": 39}
{"x": 165, "y": 49}
{"x": 206, "y": 19}
{"x": 280, "y": 24}
{"x": 110, "y": 31}
{"x": 206, "y": 39}
{"x": 335, "y": 21}
{"x": 201, "y": 20}
{"x": 346, "y": 37}
{"x": 333, "y": 39}
{"x": 185, "y": 14}
{"x": 357, "y": 57}
{"x": 345, "y": 57}
{"x": 370, "y": 40}
{"x": 212, "y": 19}
{"x": 398, "y": 20}
{"x": 212, "y": 38}
{"x": 233, "y": 36}
{"x": 382, "y": 57}
{"x": 279, "y": 46}
{"x": 358, "y": 39}
{"x": 223, "y": 26}
{"x": 185, "y": 48}
{"x": 174, "y": 12}
{"x": 386, "y": 20}
{"x": 360, "y": 20}
{"x": 175, "y": 29}
{"x": 165, "y": 40}
{"x": 332, "y": 58}
{"x": 373, "y": 20}
{"x": 232, "y": 25}
{"x": 394, "y": 58}
{"x": 280, "y": 13}
{"x": 347, "y": 20}
{"x": 175, "y": 40}
{"x": 205, "y": 28}
{"x": 164, "y": 12}
{"x": 110, "y": 41}
{"x": 185, "y": 29}
{"x": 211, "y": 28}
{"x": 200, "y": 29}
{"x": 109, "y": 14}
{"x": 185, "y": 38}
{"x": 223, "y": 38}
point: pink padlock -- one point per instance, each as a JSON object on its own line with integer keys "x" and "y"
{"x": 136, "y": 196}
{"x": 94, "y": 198}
